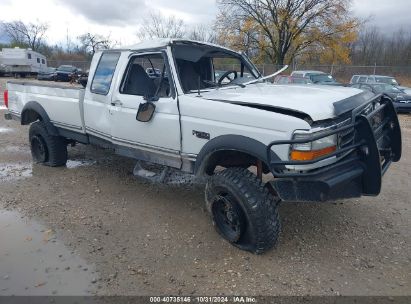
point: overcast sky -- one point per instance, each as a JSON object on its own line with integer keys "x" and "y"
{"x": 120, "y": 18}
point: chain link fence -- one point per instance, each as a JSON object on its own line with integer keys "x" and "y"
{"x": 342, "y": 73}
{"x": 84, "y": 65}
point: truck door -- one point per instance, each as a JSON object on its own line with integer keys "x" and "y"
{"x": 97, "y": 95}
{"x": 147, "y": 75}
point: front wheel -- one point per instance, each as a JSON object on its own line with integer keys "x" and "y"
{"x": 242, "y": 210}
{"x": 45, "y": 148}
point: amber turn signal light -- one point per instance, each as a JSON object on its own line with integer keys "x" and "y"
{"x": 311, "y": 155}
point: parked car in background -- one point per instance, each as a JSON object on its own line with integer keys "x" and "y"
{"x": 49, "y": 74}
{"x": 373, "y": 79}
{"x": 286, "y": 79}
{"x": 401, "y": 100}
{"x": 379, "y": 79}
{"x": 66, "y": 72}
{"x": 317, "y": 77}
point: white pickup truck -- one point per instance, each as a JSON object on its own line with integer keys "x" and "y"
{"x": 206, "y": 110}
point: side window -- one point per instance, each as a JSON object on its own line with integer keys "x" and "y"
{"x": 370, "y": 80}
{"x": 43, "y": 61}
{"x": 38, "y": 60}
{"x": 354, "y": 79}
{"x": 28, "y": 56}
{"x": 104, "y": 73}
{"x": 362, "y": 79}
{"x": 146, "y": 76}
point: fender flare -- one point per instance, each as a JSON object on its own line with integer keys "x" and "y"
{"x": 27, "y": 116}
{"x": 238, "y": 143}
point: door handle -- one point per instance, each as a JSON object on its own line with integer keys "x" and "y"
{"x": 116, "y": 103}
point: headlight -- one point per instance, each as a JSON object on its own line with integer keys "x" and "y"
{"x": 312, "y": 149}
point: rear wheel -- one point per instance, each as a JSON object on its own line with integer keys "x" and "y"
{"x": 242, "y": 210}
{"x": 45, "y": 148}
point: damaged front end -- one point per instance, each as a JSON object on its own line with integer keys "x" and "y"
{"x": 365, "y": 148}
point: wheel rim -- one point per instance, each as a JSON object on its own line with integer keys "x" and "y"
{"x": 38, "y": 149}
{"x": 228, "y": 217}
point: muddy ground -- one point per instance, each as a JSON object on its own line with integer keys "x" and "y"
{"x": 148, "y": 239}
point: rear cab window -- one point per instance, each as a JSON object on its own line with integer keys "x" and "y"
{"x": 103, "y": 75}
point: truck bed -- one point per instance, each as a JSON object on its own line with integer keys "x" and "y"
{"x": 62, "y": 101}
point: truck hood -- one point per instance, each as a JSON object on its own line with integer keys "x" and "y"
{"x": 316, "y": 101}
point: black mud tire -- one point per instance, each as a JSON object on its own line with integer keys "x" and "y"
{"x": 252, "y": 222}
{"x": 45, "y": 148}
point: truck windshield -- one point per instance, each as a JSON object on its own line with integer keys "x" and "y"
{"x": 386, "y": 88}
{"x": 387, "y": 80}
{"x": 204, "y": 67}
{"x": 320, "y": 78}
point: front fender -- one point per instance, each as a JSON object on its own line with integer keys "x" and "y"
{"x": 231, "y": 143}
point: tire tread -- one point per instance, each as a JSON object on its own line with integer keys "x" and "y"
{"x": 262, "y": 206}
{"x": 56, "y": 145}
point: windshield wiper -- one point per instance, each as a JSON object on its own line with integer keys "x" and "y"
{"x": 267, "y": 77}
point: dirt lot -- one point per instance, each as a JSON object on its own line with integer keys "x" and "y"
{"x": 145, "y": 239}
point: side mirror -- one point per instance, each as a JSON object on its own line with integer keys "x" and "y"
{"x": 83, "y": 81}
{"x": 146, "y": 111}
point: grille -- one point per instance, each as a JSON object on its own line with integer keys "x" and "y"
{"x": 346, "y": 138}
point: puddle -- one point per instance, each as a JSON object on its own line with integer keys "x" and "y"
{"x": 34, "y": 262}
{"x": 14, "y": 149}
{"x": 5, "y": 130}
{"x": 13, "y": 171}
{"x": 75, "y": 163}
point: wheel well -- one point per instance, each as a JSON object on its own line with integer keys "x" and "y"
{"x": 29, "y": 116}
{"x": 229, "y": 159}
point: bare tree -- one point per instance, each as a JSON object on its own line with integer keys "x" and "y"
{"x": 203, "y": 32}
{"x": 91, "y": 42}
{"x": 159, "y": 26}
{"x": 30, "y": 34}
{"x": 287, "y": 27}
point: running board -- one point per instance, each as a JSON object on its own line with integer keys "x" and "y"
{"x": 151, "y": 176}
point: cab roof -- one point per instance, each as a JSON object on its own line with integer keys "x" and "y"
{"x": 162, "y": 43}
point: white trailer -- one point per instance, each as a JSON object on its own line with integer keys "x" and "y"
{"x": 21, "y": 62}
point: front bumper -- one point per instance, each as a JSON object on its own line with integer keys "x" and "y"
{"x": 360, "y": 165}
